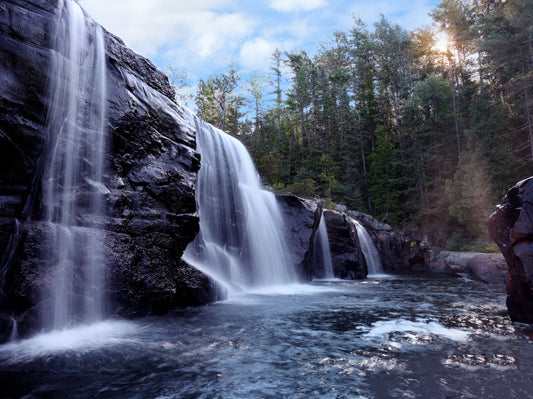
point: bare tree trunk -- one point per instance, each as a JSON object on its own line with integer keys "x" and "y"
{"x": 222, "y": 124}
{"x": 457, "y": 135}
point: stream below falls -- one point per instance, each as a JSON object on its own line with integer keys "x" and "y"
{"x": 390, "y": 337}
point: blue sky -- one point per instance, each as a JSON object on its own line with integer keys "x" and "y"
{"x": 201, "y": 37}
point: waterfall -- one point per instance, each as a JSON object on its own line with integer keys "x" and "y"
{"x": 14, "y": 330}
{"x": 370, "y": 252}
{"x": 73, "y": 189}
{"x": 241, "y": 240}
{"x": 324, "y": 252}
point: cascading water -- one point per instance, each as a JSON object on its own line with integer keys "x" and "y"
{"x": 241, "y": 240}
{"x": 370, "y": 252}
{"x": 73, "y": 189}
{"x": 324, "y": 251}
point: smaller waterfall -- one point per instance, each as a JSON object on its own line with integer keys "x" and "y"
{"x": 324, "y": 252}
{"x": 14, "y": 330}
{"x": 241, "y": 240}
{"x": 73, "y": 189}
{"x": 373, "y": 261}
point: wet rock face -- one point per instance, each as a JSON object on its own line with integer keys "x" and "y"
{"x": 24, "y": 32}
{"x": 302, "y": 217}
{"x": 511, "y": 227}
{"x": 346, "y": 255}
{"x": 149, "y": 186}
{"x": 400, "y": 251}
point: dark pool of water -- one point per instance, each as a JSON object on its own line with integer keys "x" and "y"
{"x": 405, "y": 337}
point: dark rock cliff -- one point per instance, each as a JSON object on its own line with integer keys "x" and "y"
{"x": 511, "y": 227}
{"x": 346, "y": 255}
{"x": 150, "y": 185}
{"x": 400, "y": 251}
{"x": 302, "y": 217}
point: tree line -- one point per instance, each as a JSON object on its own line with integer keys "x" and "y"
{"x": 384, "y": 121}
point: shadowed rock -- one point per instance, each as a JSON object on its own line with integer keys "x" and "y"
{"x": 511, "y": 227}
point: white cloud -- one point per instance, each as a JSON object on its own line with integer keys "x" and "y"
{"x": 296, "y": 5}
{"x": 256, "y": 53}
{"x": 192, "y": 25}
{"x": 202, "y": 37}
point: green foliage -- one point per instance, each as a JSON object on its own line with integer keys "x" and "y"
{"x": 383, "y": 178}
{"x": 381, "y": 121}
{"x": 305, "y": 188}
{"x": 217, "y": 102}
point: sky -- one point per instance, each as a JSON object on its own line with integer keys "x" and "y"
{"x": 202, "y": 37}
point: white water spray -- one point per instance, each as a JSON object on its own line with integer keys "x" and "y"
{"x": 241, "y": 241}
{"x": 373, "y": 261}
{"x": 73, "y": 189}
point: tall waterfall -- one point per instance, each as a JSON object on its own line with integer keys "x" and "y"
{"x": 73, "y": 190}
{"x": 241, "y": 240}
{"x": 324, "y": 251}
{"x": 370, "y": 252}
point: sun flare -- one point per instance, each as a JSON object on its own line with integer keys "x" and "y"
{"x": 442, "y": 43}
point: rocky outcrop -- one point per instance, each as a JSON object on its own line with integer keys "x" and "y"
{"x": 346, "y": 255}
{"x": 302, "y": 217}
{"x": 484, "y": 267}
{"x": 400, "y": 251}
{"x": 511, "y": 227}
{"x": 150, "y": 186}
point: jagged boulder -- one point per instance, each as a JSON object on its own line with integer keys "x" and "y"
{"x": 149, "y": 187}
{"x": 511, "y": 227}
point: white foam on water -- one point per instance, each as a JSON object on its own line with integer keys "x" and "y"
{"x": 291, "y": 289}
{"x": 380, "y": 276}
{"x": 421, "y": 328}
{"x": 258, "y": 295}
{"x": 79, "y": 339}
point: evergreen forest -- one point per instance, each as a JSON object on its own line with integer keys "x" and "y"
{"x": 424, "y": 129}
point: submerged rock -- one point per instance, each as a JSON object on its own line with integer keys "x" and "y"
{"x": 511, "y": 227}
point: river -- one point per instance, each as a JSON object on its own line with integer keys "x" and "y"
{"x": 388, "y": 337}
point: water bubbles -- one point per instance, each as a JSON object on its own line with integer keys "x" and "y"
{"x": 472, "y": 361}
